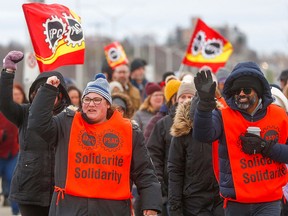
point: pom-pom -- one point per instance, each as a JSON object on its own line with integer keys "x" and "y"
{"x": 100, "y": 75}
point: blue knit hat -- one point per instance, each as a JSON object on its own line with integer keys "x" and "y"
{"x": 100, "y": 86}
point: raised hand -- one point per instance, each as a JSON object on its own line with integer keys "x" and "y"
{"x": 54, "y": 81}
{"x": 11, "y": 59}
{"x": 205, "y": 85}
{"x": 206, "y": 89}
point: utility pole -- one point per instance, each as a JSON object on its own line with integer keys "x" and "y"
{"x": 79, "y": 74}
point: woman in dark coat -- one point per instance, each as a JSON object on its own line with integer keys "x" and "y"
{"x": 33, "y": 178}
{"x": 193, "y": 189}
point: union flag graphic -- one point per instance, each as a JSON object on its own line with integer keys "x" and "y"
{"x": 115, "y": 55}
{"x": 207, "y": 47}
{"x": 56, "y": 34}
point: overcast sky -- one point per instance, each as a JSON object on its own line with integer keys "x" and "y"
{"x": 265, "y": 22}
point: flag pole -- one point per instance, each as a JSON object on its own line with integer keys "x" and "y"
{"x": 181, "y": 68}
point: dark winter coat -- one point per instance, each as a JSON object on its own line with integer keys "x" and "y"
{"x": 158, "y": 146}
{"x": 57, "y": 129}
{"x": 208, "y": 126}
{"x": 33, "y": 178}
{"x": 193, "y": 188}
{"x": 151, "y": 123}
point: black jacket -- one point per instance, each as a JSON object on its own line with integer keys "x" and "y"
{"x": 158, "y": 145}
{"x": 33, "y": 178}
{"x": 193, "y": 188}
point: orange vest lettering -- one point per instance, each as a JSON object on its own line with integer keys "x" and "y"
{"x": 256, "y": 178}
{"x": 99, "y": 158}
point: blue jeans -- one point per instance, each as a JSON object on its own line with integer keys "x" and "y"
{"x": 7, "y": 166}
{"x": 253, "y": 209}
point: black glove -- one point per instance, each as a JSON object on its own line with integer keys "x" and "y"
{"x": 254, "y": 144}
{"x": 206, "y": 90}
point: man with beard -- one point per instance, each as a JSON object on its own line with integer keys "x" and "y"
{"x": 121, "y": 74}
{"x": 252, "y": 167}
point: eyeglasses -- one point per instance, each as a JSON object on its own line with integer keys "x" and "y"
{"x": 246, "y": 91}
{"x": 96, "y": 100}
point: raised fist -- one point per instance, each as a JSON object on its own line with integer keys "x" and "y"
{"x": 54, "y": 81}
{"x": 11, "y": 60}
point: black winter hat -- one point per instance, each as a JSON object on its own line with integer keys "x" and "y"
{"x": 137, "y": 63}
{"x": 248, "y": 82}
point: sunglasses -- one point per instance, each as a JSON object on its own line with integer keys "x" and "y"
{"x": 246, "y": 91}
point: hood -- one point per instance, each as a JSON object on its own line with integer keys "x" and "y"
{"x": 279, "y": 98}
{"x": 182, "y": 124}
{"x": 129, "y": 106}
{"x": 247, "y": 69}
{"x": 41, "y": 79}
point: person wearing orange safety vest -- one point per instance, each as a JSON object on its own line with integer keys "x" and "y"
{"x": 252, "y": 167}
{"x": 98, "y": 155}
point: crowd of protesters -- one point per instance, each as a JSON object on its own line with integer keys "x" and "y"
{"x": 126, "y": 145}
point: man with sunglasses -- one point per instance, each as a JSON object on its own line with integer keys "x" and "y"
{"x": 98, "y": 155}
{"x": 252, "y": 167}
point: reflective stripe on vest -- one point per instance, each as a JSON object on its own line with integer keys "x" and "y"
{"x": 256, "y": 178}
{"x": 99, "y": 158}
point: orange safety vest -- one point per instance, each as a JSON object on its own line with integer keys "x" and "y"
{"x": 99, "y": 158}
{"x": 256, "y": 178}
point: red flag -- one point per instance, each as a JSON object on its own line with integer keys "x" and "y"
{"x": 207, "y": 47}
{"x": 115, "y": 54}
{"x": 56, "y": 35}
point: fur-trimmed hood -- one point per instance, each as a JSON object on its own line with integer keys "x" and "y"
{"x": 184, "y": 115}
{"x": 129, "y": 106}
{"x": 182, "y": 123}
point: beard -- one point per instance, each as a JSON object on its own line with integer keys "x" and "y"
{"x": 251, "y": 100}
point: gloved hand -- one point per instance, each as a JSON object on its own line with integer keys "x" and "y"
{"x": 11, "y": 60}
{"x": 206, "y": 90}
{"x": 254, "y": 144}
